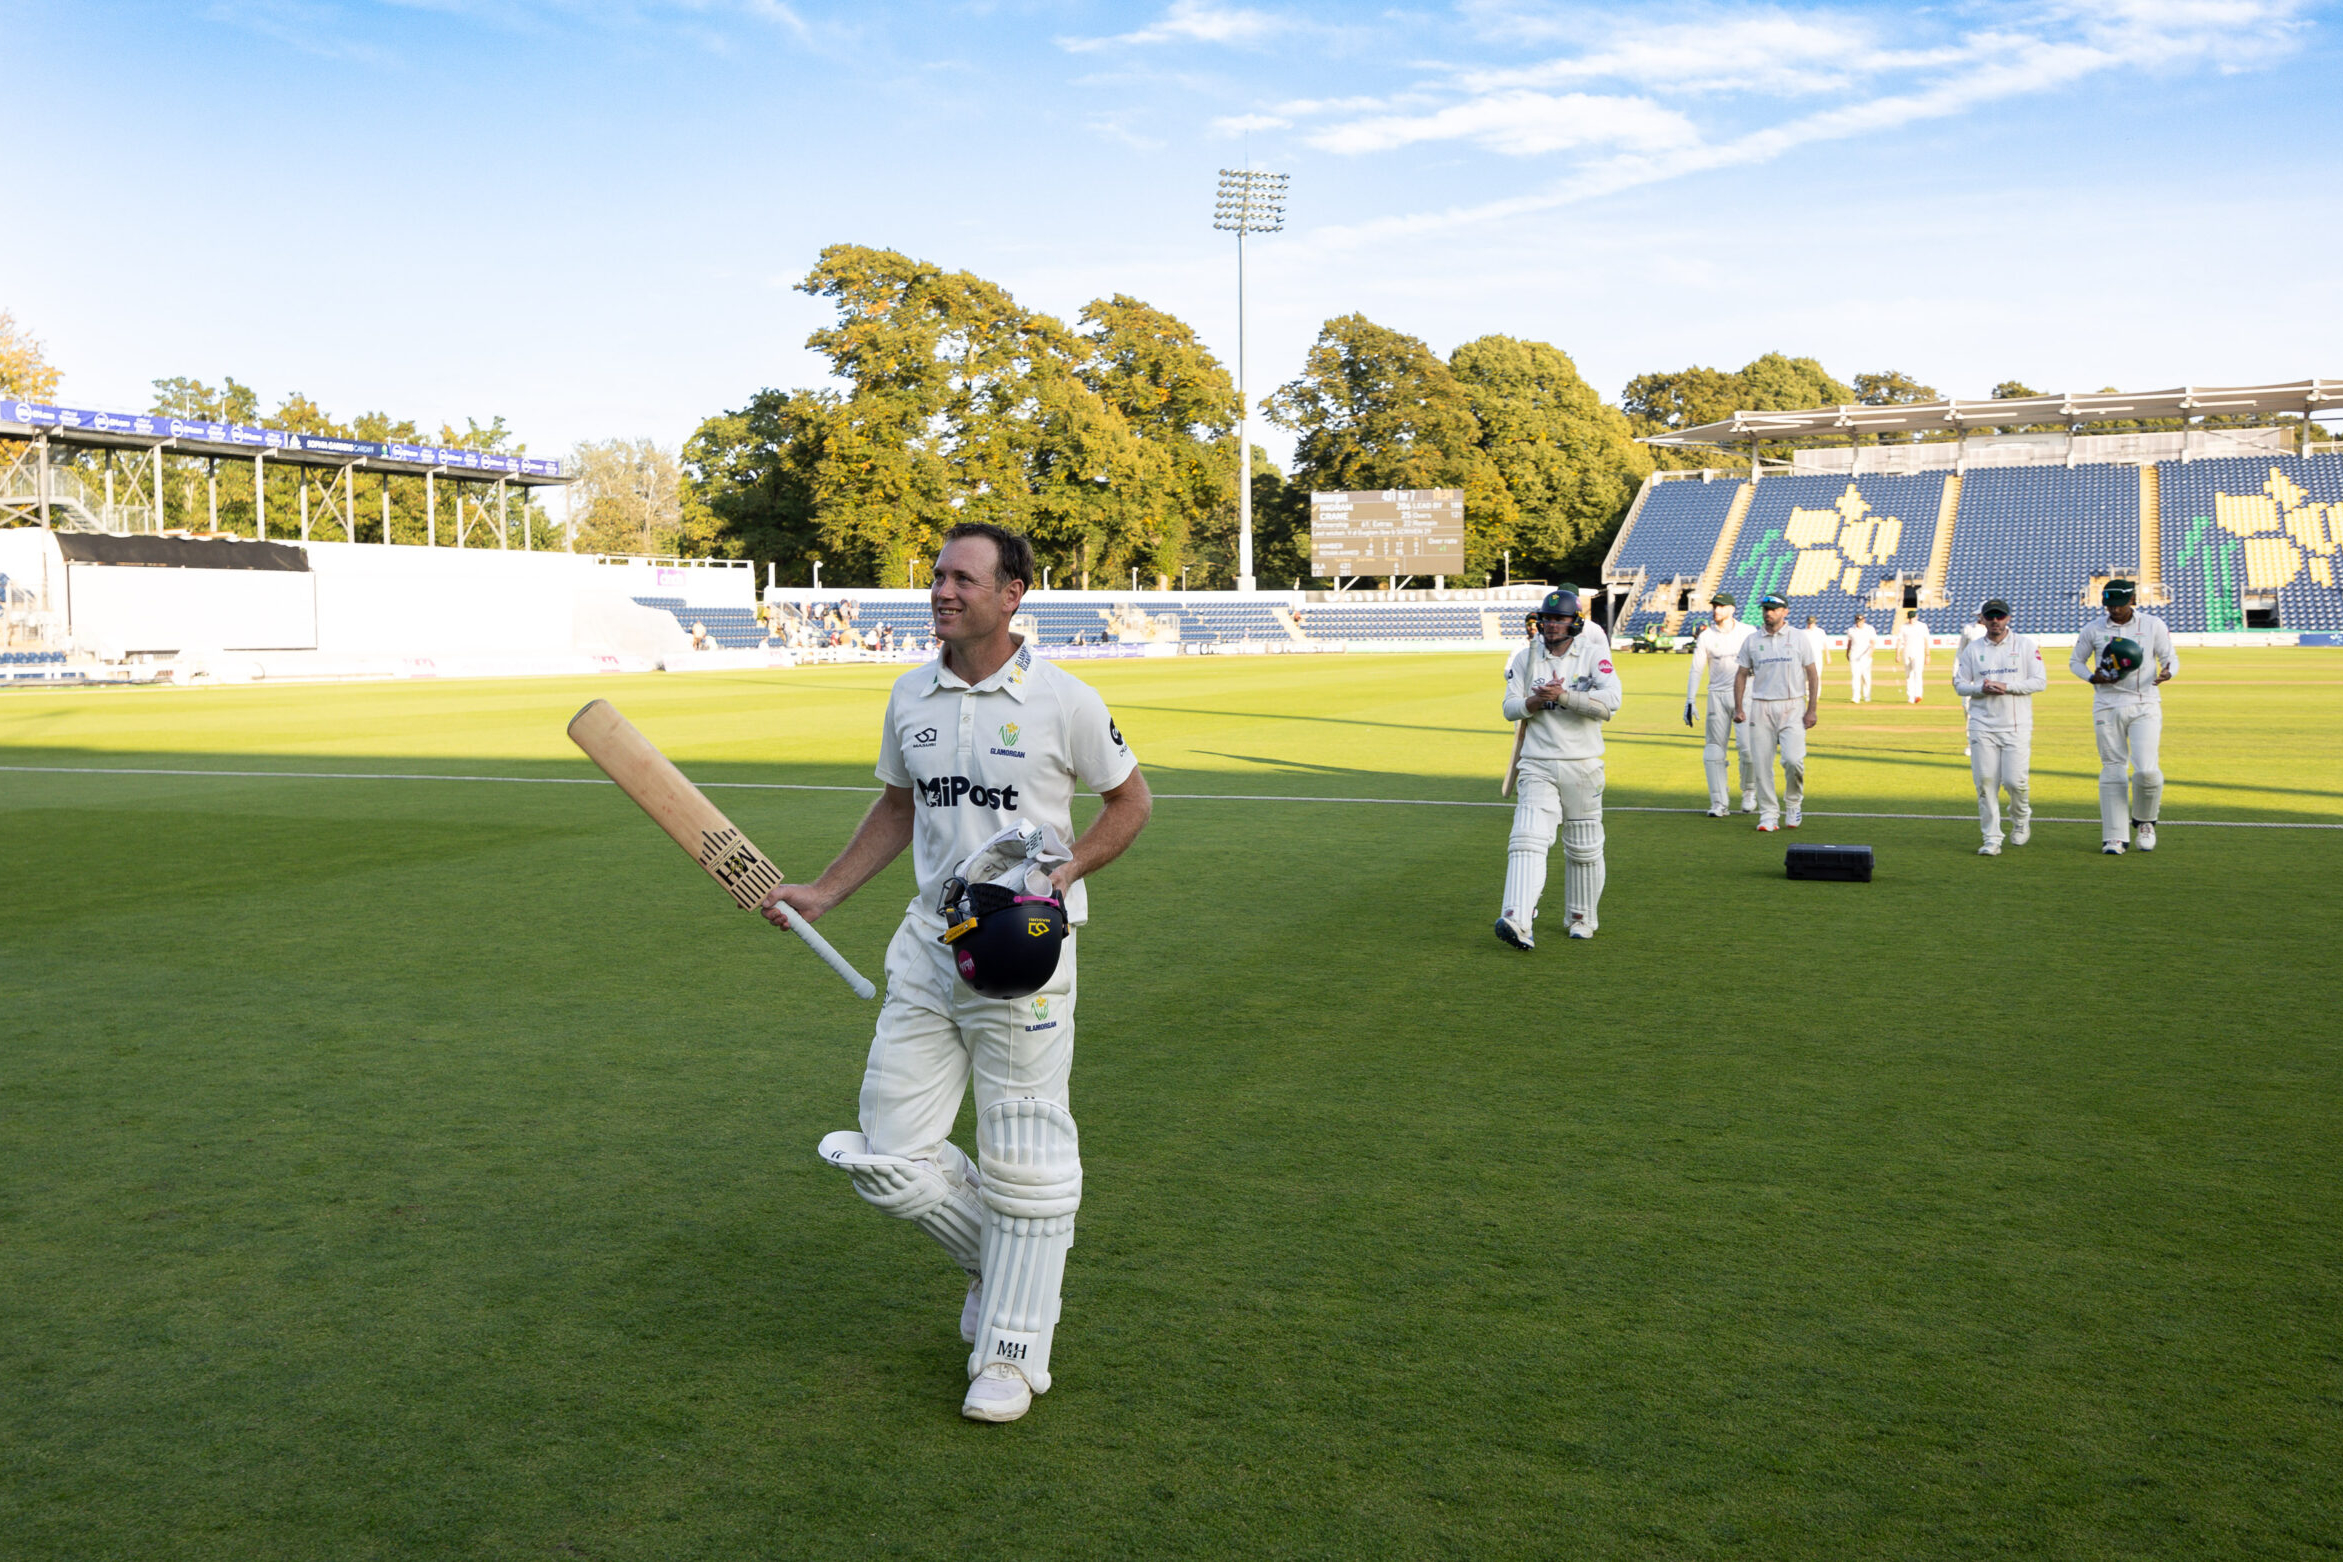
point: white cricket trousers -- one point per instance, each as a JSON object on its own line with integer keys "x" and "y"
{"x": 1778, "y": 727}
{"x": 1999, "y": 760}
{"x": 2128, "y": 735}
{"x": 1718, "y": 741}
{"x": 1859, "y": 679}
{"x": 935, "y": 1034}
{"x": 1548, "y": 793}
{"x": 1915, "y": 676}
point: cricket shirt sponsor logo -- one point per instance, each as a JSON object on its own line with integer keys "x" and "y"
{"x": 1009, "y": 731}
{"x": 925, "y": 737}
{"x": 1041, "y": 1005}
{"x": 952, "y": 791}
{"x": 1115, "y": 733}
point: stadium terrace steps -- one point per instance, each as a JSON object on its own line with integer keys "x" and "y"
{"x": 2151, "y": 554}
{"x": 1675, "y": 535}
{"x": 1714, "y": 571}
{"x": 1948, "y": 515}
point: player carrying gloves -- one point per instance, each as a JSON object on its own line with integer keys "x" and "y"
{"x": 980, "y": 752}
{"x": 1562, "y": 689}
{"x": 1997, "y": 675}
{"x": 2125, "y": 656}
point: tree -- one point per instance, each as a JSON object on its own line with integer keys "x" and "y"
{"x": 1688, "y": 398}
{"x": 626, "y": 497}
{"x": 1149, "y": 367}
{"x": 1568, "y": 460}
{"x": 1376, "y": 408}
{"x": 25, "y": 370}
{"x": 1892, "y": 388}
{"x": 749, "y": 483}
{"x": 963, "y": 406}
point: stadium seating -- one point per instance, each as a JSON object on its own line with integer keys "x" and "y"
{"x": 1674, "y": 534}
{"x": 32, "y": 658}
{"x": 2247, "y": 526}
{"x": 1395, "y": 620}
{"x": 1825, "y": 540}
{"x": 729, "y": 627}
{"x": 2036, "y": 537}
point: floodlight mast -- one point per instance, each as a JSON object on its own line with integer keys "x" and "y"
{"x": 1250, "y": 202}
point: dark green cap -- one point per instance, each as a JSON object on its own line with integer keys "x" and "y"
{"x": 2118, "y": 593}
{"x": 1724, "y": 599}
{"x": 1995, "y": 608}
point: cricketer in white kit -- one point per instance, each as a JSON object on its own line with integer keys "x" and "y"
{"x": 1716, "y": 652}
{"x": 1912, "y": 651}
{"x": 1997, "y": 676}
{"x": 982, "y": 739}
{"x": 1862, "y": 640}
{"x": 1776, "y": 695}
{"x": 1561, "y": 688}
{"x": 2127, "y": 714}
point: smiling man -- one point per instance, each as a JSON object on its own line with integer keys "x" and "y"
{"x": 979, "y": 754}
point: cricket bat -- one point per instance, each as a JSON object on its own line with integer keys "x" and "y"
{"x": 684, "y": 812}
{"x": 1505, "y": 787}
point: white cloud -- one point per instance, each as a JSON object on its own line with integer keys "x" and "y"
{"x": 1192, "y": 21}
{"x": 1629, "y": 141}
{"x": 1520, "y": 124}
{"x": 1240, "y": 124}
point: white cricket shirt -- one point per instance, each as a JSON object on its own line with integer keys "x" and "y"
{"x": 1777, "y": 663}
{"x": 1715, "y": 653}
{"x": 1585, "y": 669}
{"x": 1861, "y": 641}
{"x": 2015, "y": 664}
{"x": 1913, "y": 639}
{"x": 2137, "y": 687}
{"x": 979, "y": 758}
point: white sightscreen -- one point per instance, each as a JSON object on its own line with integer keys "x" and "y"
{"x": 145, "y": 608}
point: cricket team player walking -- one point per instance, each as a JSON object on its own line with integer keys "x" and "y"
{"x": 1861, "y": 642}
{"x": 980, "y": 750}
{"x": 1777, "y": 677}
{"x": 1716, "y": 653}
{"x": 1561, "y": 688}
{"x": 1997, "y": 676}
{"x": 2126, "y": 656}
{"x": 1912, "y": 651}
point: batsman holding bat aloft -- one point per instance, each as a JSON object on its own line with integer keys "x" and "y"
{"x": 1561, "y": 688}
{"x": 979, "y": 754}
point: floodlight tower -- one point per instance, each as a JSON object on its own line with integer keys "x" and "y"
{"x": 1250, "y": 202}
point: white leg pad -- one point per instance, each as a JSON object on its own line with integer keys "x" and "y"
{"x": 1032, "y": 1184}
{"x": 1582, "y": 869}
{"x": 1537, "y": 809}
{"x": 939, "y": 1196}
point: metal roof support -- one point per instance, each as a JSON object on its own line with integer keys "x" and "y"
{"x": 304, "y": 506}
{"x": 504, "y": 537}
{"x": 386, "y": 509}
{"x": 430, "y": 511}
{"x": 158, "y": 506}
{"x": 44, "y": 481}
{"x": 259, "y": 498}
{"x": 211, "y": 488}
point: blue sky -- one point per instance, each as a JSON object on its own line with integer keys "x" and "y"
{"x": 588, "y": 214}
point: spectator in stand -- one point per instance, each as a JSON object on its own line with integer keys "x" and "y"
{"x": 700, "y": 641}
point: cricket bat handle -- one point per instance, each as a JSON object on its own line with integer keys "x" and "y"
{"x": 830, "y": 957}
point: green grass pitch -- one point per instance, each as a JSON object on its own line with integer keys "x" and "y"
{"x": 416, "y": 1168}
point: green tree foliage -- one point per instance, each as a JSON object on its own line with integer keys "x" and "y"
{"x": 1376, "y": 408}
{"x": 1688, "y": 398}
{"x": 1149, "y": 367}
{"x": 1894, "y": 388}
{"x": 963, "y": 406}
{"x": 749, "y": 483}
{"x": 1567, "y": 458}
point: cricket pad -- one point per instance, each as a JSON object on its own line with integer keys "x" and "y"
{"x": 1850, "y": 864}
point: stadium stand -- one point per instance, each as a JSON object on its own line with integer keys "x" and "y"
{"x": 729, "y": 627}
{"x": 2253, "y": 542}
{"x": 1395, "y": 620}
{"x": 1825, "y": 541}
{"x": 1674, "y": 532}
{"x": 2037, "y": 537}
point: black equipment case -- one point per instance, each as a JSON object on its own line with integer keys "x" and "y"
{"x": 1850, "y": 864}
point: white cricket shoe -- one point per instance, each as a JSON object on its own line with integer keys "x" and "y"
{"x": 1579, "y": 929}
{"x": 1720, "y": 813}
{"x": 2021, "y": 832}
{"x": 1509, "y": 932}
{"x": 1989, "y": 849}
{"x": 972, "y": 1310}
{"x": 1764, "y": 828}
{"x": 2146, "y": 839}
{"x": 1792, "y": 820}
{"x": 2111, "y": 848}
{"x": 998, "y": 1393}
{"x": 1749, "y": 802}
